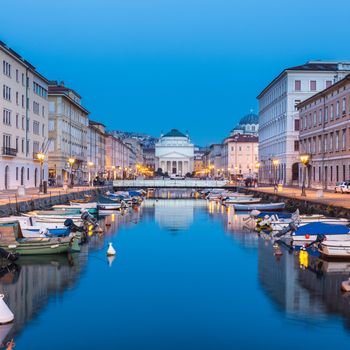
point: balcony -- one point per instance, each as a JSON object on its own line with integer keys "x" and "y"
{"x": 9, "y": 152}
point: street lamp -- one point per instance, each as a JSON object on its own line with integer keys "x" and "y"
{"x": 304, "y": 158}
{"x": 90, "y": 165}
{"x": 275, "y": 163}
{"x": 41, "y": 158}
{"x": 71, "y": 161}
{"x": 257, "y": 166}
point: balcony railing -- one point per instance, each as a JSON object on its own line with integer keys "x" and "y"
{"x": 7, "y": 151}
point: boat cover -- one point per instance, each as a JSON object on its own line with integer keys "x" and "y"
{"x": 317, "y": 228}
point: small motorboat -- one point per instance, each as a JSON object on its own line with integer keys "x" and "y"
{"x": 106, "y": 203}
{"x": 241, "y": 200}
{"x": 261, "y": 207}
{"x": 311, "y": 231}
{"x": 335, "y": 249}
{"x": 76, "y": 208}
{"x": 13, "y": 241}
{"x": 52, "y": 216}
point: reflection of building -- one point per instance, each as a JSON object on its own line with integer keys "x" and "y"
{"x": 38, "y": 278}
{"x": 174, "y": 215}
{"x": 174, "y": 153}
{"x": 24, "y": 121}
{"x": 279, "y": 278}
{"x": 68, "y": 128}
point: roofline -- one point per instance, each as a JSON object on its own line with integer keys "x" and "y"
{"x": 323, "y": 93}
{"x": 22, "y": 61}
{"x": 289, "y": 70}
{"x": 70, "y": 99}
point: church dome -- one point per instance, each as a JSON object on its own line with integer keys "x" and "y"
{"x": 174, "y": 133}
{"x": 250, "y": 118}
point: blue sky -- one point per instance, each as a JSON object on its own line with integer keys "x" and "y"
{"x": 151, "y": 65}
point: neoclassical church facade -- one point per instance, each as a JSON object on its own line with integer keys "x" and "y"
{"x": 174, "y": 153}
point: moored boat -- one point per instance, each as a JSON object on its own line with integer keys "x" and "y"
{"x": 261, "y": 206}
{"x": 335, "y": 249}
{"x": 13, "y": 241}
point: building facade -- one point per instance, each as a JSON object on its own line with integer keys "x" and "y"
{"x": 174, "y": 153}
{"x": 117, "y": 157}
{"x": 68, "y": 129}
{"x": 325, "y": 135}
{"x": 24, "y": 112}
{"x": 240, "y": 155}
{"x": 279, "y": 118}
{"x": 96, "y": 146}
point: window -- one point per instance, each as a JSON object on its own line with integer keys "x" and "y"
{"x": 320, "y": 144}
{"x": 296, "y": 125}
{"x": 315, "y": 118}
{"x": 331, "y": 141}
{"x": 337, "y": 110}
{"x": 325, "y": 143}
{"x": 6, "y": 117}
{"x": 28, "y": 174}
{"x": 17, "y": 102}
{"x": 17, "y": 173}
{"x": 328, "y": 83}
{"x": 296, "y": 146}
{"x": 36, "y": 108}
{"x": 43, "y": 130}
{"x": 22, "y": 146}
{"x": 39, "y": 90}
{"x": 6, "y": 93}
{"x": 297, "y": 85}
{"x": 43, "y": 111}
{"x": 332, "y": 112}
{"x": 22, "y": 123}
{"x": 6, "y": 68}
{"x": 320, "y": 116}
{"x": 312, "y": 85}
{"x": 326, "y": 114}
{"x": 344, "y": 106}
{"x": 17, "y": 120}
{"x": 343, "y": 139}
{"x": 36, "y": 126}
{"x": 23, "y": 79}
{"x": 337, "y": 141}
{"x": 17, "y": 144}
{"x": 17, "y": 76}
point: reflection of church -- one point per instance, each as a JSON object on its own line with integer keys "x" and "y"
{"x": 175, "y": 153}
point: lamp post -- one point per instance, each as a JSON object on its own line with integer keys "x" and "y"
{"x": 41, "y": 158}
{"x": 90, "y": 165}
{"x": 305, "y": 158}
{"x": 71, "y": 161}
{"x": 257, "y": 166}
{"x": 275, "y": 163}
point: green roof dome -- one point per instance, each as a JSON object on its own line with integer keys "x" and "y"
{"x": 250, "y": 118}
{"x": 174, "y": 133}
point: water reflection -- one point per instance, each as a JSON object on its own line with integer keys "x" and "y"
{"x": 28, "y": 285}
{"x": 174, "y": 215}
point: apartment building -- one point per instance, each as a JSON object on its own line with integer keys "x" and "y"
{"x": 68, "y": 132}
{"x": 279, "y": 117}
{"x": 325, "y": 135}
{"x": 24, "y": 112}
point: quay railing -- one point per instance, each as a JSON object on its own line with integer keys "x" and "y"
{"x": 169, "y": 183}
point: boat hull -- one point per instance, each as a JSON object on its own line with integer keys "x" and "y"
{"x": 260, "y": 207}
{"x": 335, "y": 249}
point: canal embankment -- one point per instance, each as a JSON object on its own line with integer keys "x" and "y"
{"x": 315, "y": 202}
{"x": 13, "y": 204}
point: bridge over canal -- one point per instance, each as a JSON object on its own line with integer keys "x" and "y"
{"x": 169, "y": 183}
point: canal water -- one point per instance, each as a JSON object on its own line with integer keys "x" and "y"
{"x": 188, "y": 275}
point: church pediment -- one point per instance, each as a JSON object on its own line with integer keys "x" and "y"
{"x": 173, "y": 154}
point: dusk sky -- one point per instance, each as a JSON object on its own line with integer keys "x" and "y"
{"x": 153, "y": 65}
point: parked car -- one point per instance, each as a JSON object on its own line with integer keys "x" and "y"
{"x": 342, "y": 187}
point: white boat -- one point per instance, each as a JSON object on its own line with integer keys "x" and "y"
{"x": 109, "y": 206}
{"x": 335, "y": 249}
{"x": 56, "y": 217}
{"x": 261, "y": 207}
{"x": 241, "y": 200}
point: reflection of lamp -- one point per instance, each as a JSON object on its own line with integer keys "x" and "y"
{"x": 41, "y": 158}
{"x": 90, "y": 165}
{"x": 71, "y": 161}
{"x": 305, "y": 158}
